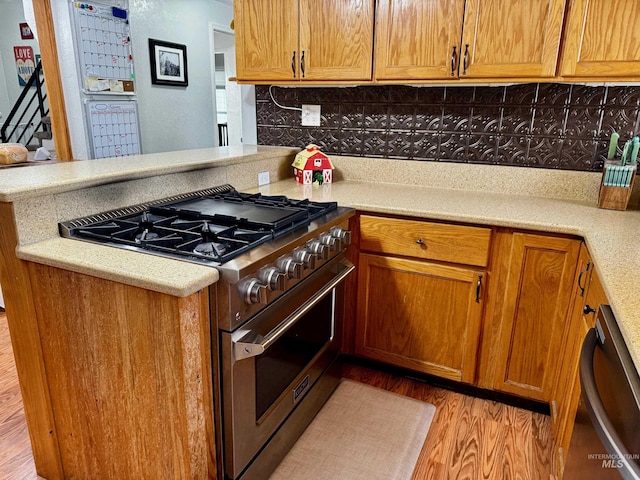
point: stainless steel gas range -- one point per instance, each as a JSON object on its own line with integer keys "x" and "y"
{"x": 276, "y": 312}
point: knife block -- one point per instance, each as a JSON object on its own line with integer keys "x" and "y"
{"x": 615, "y": 198}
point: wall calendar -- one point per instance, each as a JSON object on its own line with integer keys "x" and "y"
{"x": 113, "y": 128}
{"x": 104, "y": 48}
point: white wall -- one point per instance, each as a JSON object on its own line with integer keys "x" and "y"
{"x": 176, "y": 118}
{"x": 11, "y": 15}
{"x": 170, "y": 118}
{"x": 5, "y": 106}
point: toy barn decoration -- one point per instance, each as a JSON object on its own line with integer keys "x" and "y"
{"x": 312, "y": 166}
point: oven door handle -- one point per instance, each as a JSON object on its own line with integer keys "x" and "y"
{"x": 244, "y": 350}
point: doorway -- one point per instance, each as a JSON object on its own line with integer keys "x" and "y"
{"x": 19, "y": 54}
{"x": 234, "y": 104}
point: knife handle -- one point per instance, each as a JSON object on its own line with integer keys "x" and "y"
{"x": 625, "y": 152}
{"x": 613, "y": 145}
{"x": 635, "y": 147}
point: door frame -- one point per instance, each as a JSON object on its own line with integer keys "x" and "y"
{"x": 55, "y": 95}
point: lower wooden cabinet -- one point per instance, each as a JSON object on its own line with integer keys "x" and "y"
{"x": 420, "y": 315}
{"x": 529, "y": 309}
{"x": 589, "y": 296}
{"x": 431, "y": 309}
{"x": 571, "y": 341}
{"x": 129, "y": 376}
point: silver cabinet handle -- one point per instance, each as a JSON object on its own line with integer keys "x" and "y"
{"x": 244, "y": 350}
{"x": 601, "y": 422}
{"x": 478, "y": 288}
{"x": 302, "y": 63}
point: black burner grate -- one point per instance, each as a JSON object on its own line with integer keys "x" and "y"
{"x": 213, "y": 225}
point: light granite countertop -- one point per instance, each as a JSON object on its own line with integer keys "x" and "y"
{"x": 43, "y": 195}
{"x": 609, "y": 235}
{"x": 60, "y": 177}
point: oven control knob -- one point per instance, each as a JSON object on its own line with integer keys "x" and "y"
{"x": 273, "y": 278}
{"x": 318, "y": 248}
{"x": 330, "y": 241}
{"x": 254, "y": 292}
{"x": 289, "y": 267}
{"x": 342, "y": 234}
{"x": 305, "y": 257}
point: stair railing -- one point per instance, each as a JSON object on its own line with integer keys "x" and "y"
{"x": 9, "y": 128}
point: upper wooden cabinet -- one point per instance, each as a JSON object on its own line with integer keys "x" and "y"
{"x": 418, "y": 39}
{"x": 511, "y": 38}
{"x": 266, "y": 39}
{"x": 295, "y": 40}
{"x": 601, "y": 39}
{"x": 444, "y": 39}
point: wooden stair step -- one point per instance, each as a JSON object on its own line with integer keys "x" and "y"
{"x": 45, "y": 135}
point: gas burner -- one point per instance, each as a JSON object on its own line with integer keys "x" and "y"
{"x": 146, "y": 235}
{"x": 213, "y": 249}
{"x": 211, "y": 226}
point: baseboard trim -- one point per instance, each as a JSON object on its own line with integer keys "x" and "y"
{"x": 506, "y": 398}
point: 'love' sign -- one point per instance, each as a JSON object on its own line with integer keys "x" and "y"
{"x": 25, "y": 63}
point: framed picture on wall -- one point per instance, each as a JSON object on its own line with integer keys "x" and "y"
{"x": 25, "y": 32}
{"x": 168, "y": 63}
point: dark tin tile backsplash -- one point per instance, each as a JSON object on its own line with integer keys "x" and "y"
{"x": 533, "y": 125}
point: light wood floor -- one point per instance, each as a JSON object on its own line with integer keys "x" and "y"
{"x": 16, "y": 459}
{"x": 469, "y": 438}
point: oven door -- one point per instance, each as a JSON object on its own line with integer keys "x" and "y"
{"x": 271, "y": 363}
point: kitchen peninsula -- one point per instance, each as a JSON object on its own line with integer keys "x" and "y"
{"x": 160, "y": 351}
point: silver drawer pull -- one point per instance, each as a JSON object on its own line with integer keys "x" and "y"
{"x": 420, "y": 241}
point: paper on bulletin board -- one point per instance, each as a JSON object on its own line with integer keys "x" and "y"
{"x": 113, "y": 128}
{"x": 104, "y": 48}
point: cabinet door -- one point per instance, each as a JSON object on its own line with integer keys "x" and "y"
{"x": 336, "y": 39}
{"x": 601, "y": 39}
{"x": 419, "y": 315}
{"x": 568, "y": 404}
{"x": 594, "y": 298}
{"x": 562, "y": 437}
{"x": 415, "y": 39}
{"x": 511, "y": 38}
{"x": 572, "y": 340}
{"x": 535, "y": 304}
{"x": 266, "y": 39}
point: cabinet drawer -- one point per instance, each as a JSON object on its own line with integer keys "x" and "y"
{"x": 427, "y": 240}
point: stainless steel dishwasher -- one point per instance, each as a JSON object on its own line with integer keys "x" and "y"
{"x": 605, "y": 443}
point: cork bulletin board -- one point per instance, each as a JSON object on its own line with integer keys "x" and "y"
{"x": 104, "y": 48}
{"x": 113, "y": 128}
